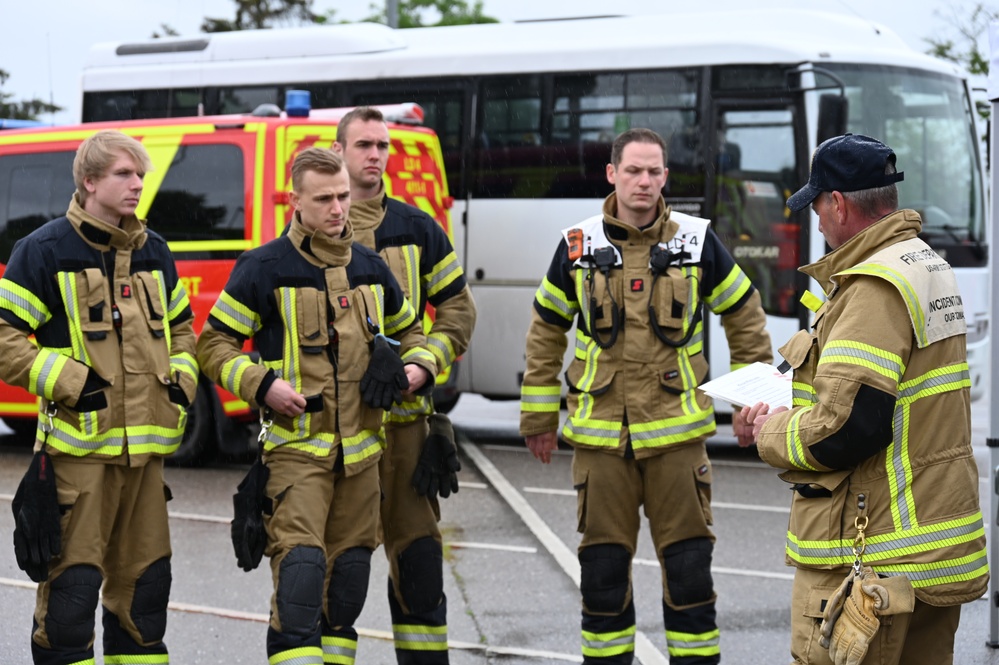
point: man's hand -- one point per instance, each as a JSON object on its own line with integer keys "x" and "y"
{"x": 743, "y": 428}
{"x": 542, "y": 445}
{"x": 283, "y": 399}
{"x": 748, "y": 422}
{"x": 418, "y": 377}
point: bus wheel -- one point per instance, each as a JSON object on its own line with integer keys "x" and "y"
{"x": 197, "y": 434}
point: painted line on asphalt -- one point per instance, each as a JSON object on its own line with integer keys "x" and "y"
{"x": 490, "y": 546}
{"x": 714, "y": 504}
{"x": 566, "y": 558}
{"x": 729, "y": 571}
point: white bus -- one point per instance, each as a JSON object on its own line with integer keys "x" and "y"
{"x": 526, "y": 113}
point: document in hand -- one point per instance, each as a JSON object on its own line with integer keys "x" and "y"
{"x": 748, "y": 385}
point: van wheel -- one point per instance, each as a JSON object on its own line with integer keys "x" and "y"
{"x": 444, "y": 405}
{"x": 23, "y": 431}
{"x": 197, "y": 435}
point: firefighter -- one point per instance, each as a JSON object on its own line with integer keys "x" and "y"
{"x": 634, "y": 279}
{"x": 419, "y": 441}
{"x": 113, "y": 366}
{"x": 322, "y": 312}
{"x": 880, "y": 425}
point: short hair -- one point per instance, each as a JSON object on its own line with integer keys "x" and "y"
{"x": 99, "y": 151}
{"x": 320, "y": 160}
{"x": 636, "y": 135}
{"x": 362, "y": 113}
{"x": 877, "y": 202}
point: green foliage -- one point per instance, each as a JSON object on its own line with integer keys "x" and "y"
{"x": 970, "y": 28}
{"x": 166, "y": 30}
{"x": 259, "y": 14}
{"x": 28, "y": 109}
{"x": 418, "y": 13}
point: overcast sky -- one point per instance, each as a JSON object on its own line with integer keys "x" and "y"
{"x": 43, "y": 43}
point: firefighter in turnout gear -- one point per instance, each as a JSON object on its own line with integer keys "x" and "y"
{"x": 877, "y": 444}
{"x": 420, "y": 255}
{"x": 318, "y": 308}
{"x": 634, "y": 279}
{"x": 113, "y": 365}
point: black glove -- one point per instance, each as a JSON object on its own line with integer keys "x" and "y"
{"x": 385, "y": 378}
{"x": 249, "y": 537}
{"x": 37, "y": 532}
{"x": 438, "y": 467}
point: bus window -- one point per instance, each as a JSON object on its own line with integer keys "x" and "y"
{"x": 244, "y": 100}
{"x": 34, "y": 188}
{"x": 755, "y": 174}
{"x": 511, "y": 159}
{"x": 202, "y": 195}
{"x": 140, "y": 104}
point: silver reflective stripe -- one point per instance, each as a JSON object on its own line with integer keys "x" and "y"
{"x": 444, "y": 274}
{"x": 421, "y": 637}
{"x": 307, "y": 659}
{"x": 833, "y": 349}
{"x": 236, "y": 315}
{"x": 551, "y": 301}
{"x": 935, "y": 382}
{"x": 69, "y": 439}
{"x": 624, "y": 640}
{"x": 671, "y": 430}
{"x": 897, "y": 467}
{"x": 442, "y": 347}
{"x": 186, "y": 363}
{"x": 350, "y": 450}
{"x": 275, "y": 438}
{"x": 338, "y": 650}
{"x": 958, "y": 570}
{"x": 893, "y": 544}
{"x": 729, "y": 292}
{"x": 38, "y": 315}
{"x": 43, "y": 375}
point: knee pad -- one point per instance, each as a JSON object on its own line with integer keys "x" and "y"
{"x": 348, "y": 586}
{"x": 69, "y": 619}
{"x": 149, "y": 601}
{"x": 299, "y": 595}
{"x": 421, "y": 578}
{"x": 604, "y": 580}
{"x": 688, "y": 571}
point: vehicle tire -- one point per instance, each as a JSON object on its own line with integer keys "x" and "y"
{"x": 23, "y": 431}
{"x": 197, "y": 435}
{"x": 445, "y": 404}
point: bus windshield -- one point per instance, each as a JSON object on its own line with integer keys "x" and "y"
{"x": 926, "y": 118}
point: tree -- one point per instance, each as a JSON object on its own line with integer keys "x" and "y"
{"x": 167, "y": 31}
{"x": 417, "y": 13}
{"x": 28, "y": 109}
{"x": 259, "y": 14}
{"x": 969, "y": 27}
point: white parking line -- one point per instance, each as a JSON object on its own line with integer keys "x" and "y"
{"x": 729, "y": 571}
{"x": 714, "y": 504}
{"x": 490, "y": 546}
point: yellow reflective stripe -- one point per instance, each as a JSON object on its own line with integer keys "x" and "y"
{"x": 67, "y": 288}
{"x": 935, "y": 382}
{"x": 592, "y": 355}
{"x": 443, "y": 349}
{"x": 443, "y": 274}
{"x": 606, "y": 433}
{"x": 378, "y": 291}
{"x": 948, "y": 571}
{"x": 45, "y": 371}
{"x": 899, "y": 471}
{"x": 319, "y": 444}
{"x": 231, "y": 374}
{"x": 411, "y": 258}
{"x": 401, "y": 319}
{"x": 555, "y": 300}
{"x": 887, "y": 546}
{"x": 161, "y": 292}
{"x": 178, "y": 301}
{"x": 186, "y": 363}
{"x": 419, "y": 353}
{"x": 668, "y": 431}
{"x": 339, "y": 650}
{"x": 811, "y": 301}
{"x": 137, "y": 659}
{"x": 803, "y": 394}
{"x": 604, "y": 645}
{"x": 729, "y": 291}
{"x": 236, "y": 315}
{"x": 696, "y": 344}
{"x": 795, "y": 449}
{"x": 25, "y": 304}
{"x": 299, "y": 656}
{"x": 409, "y": 410}
{"x": 904, "y": 288}
{"x": 579, "y": 282}
{"x": 415, "y": 637}
{"x": 72, "y": 441}
{"x": 361, "y": 446}
{"x": 693, "y": 644}
{"x": 885, "y": 363}
{"x": 540, "y": 399}
{"x": 288, "y": 305}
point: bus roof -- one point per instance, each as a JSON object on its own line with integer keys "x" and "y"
{"x": 366, "y": 51}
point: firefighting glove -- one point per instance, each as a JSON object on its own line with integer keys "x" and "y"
{"x": 249, "y": 537}
{"x": 438, "y": 466}
{"x": 385, "y": 378}
{"x": 37, "y": 532}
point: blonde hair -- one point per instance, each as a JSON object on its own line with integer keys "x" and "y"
{"x": 97, "y": 153}
{"x": 321, "y": 160}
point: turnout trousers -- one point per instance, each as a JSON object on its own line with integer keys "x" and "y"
{"x": 412, "y": 541}
{"x": 674, "y": 488}
{"x": 115, "y": 541}
{"x": 924, "y": 637}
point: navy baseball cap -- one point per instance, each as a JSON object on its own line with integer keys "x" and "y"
{"x": 847, "y": 163}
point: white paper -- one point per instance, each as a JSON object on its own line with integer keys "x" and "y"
{"x": 754, "y": 383}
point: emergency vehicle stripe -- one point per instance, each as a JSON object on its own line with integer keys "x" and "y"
{"x": 178, "y": 301}
{"x": 236, "y": 315}
{"x": 540, "y": 399}
{"x": 137, "y": 659}
{"x": 401, "y": 319}
{"x": 411, "y": 257}
{"x": 443, "y": 274}
{"x": 942, "y": 572}
{"x": 940, "y": 380}
{"x": 442, "y": 348}
{"x": 339, "y": 650}
{"x": 802, "y": 394}
{"x": 419, "y": 638}
{"x": 554, "y": 299}
{"x": 903, "y": 505}
{"x": 299, "y": 656}
{"x": 693, "y": 644}
{"x": 45, "y": 372}
{"x": 883, "y": 362}
{"x": 361, "y": 446}
{"x": 23, "y": 303}
{"x": 67, "y": 288}
{"x": 161, "y": 294}
{"x": 184, "y": 362}
{"x": 672, "y": 430}
{"x": 884, "y": 547}
{"x": 731, "y": 289}
{"x": 232, "y": 373}
{"x": 905, "y": 289}
{"x": 604, "y": 433}
{"x": 795, "y": 449}
{"x": 605, "y": 645}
